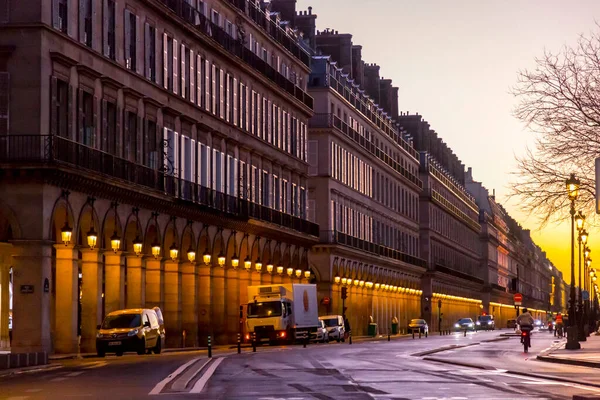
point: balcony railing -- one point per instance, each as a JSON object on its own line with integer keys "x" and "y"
{"x": 38, "y": 149}
{"x": 333, "y": 121}
{"x": 273, "y": 30}
{"x": 236, "y": 48}
{"x": 335, "y": 237}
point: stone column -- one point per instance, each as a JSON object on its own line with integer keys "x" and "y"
{"x": 32, "y": 265}
{"x": 67, "y": 282}
{"x": 172, "y": 310}
{"x": 114, "y": 283}
{"x": 5, "y": 261}
{"x": 91, "y": 298}
{"x": 189, "y": 303}
{"x": 154, "y": 283}
{"x": 204, "y": 309}
{"x": 218, "y": 305}
{"x": 255, "y": 278}
{"x": 233, "y": 304}
{"x": 244, "y": 278}
{"x": 136, "y": 281}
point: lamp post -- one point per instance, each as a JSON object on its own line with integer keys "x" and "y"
{"x": 583, "y": 236}
{"x": 572, "y": 186}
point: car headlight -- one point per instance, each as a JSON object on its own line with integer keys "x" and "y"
{"x": 456, "y": 325}
{"x": 133, "y": 332}
{"x": 99, "y": 335}
{"x": 478, "y": 323}
{"x": 470, "y": 324}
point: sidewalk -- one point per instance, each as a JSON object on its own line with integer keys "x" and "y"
{"x": 587, "y": 356}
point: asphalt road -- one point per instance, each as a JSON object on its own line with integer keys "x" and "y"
{"x": 479, "y": 366}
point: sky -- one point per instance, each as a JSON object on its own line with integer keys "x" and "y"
{"x": 455, "y": 63}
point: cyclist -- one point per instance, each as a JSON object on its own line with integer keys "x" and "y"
{"x": 525, "y": 321}
{"x": 559, "y": 325}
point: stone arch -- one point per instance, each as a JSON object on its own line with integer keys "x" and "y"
{"x": 232, "y": 248}
{"x": 133, "y": 231}
{"x": 110, "y": 225}
{"x": 61, "y": 212}
{"x": 152, "y": 235}
{"x": 286, "y": 259}
{"x": 267, "y": 254}
{"x": 219, "y": 246}
{"x": 255, "y": 249}
{"x": 204, "y": 242}
{"x": 88, "y": 218}
{"x": 244, "y": 248}
{"x": 295, "y": 262}
{"x": 277, "y": 258}
{"x": 188, "y": 241}
{"x": 9, "y": 225}
{"x": 171, "y": 236}
{"x": 304, "y": 259}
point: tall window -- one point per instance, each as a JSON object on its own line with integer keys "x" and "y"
{"x": 151, "y": 145}
{"x": 130, "y": 40}
{"x": 109, "y": 29}
{"x": 62, "y": 115}
{"x": 168, "y": 62}
{"x": 111, "y": 128}
{"x": 185, "y": 64}
{"x": 150, "y": 58}
{"x": 4, "y": 102}
{"x": 86, "y": 108}
{"x": 60, "y": 15}
{"x": 131, "y": 136}
{"x": 265, "y": 190}
{"x": 85, "y": 22}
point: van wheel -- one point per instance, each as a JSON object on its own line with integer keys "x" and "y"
{"x": 158, "y": 348}
{"x": 142, "y": 349}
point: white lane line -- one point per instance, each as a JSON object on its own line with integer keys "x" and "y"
{"x": 160, "y": 385}
{"x": 206, "y": 376}
{"x": 33, "y": 390}
{"x": 568, "y": 384}
{"x": 58, "y": 379}
{"x": 96, "y": 364}
{"x": 75, "y": 373}
{"x": 182, "y": 385}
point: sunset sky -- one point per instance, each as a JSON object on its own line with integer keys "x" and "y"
{"x": 455, "y": 62}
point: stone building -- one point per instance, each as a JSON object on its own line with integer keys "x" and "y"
{"x": 363, "y": 193}
{"x": 152, "y": 153}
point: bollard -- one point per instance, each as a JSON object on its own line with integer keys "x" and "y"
{"x": 389, "y": 336}
{"x": 305, "y": 341}
{"x": 419, "y": 334}
{"x": 465, "y": 333}
{"x": 413, "y": 333}
{"x": 183, "y": 334}
{"x": 209, "y": 348}
{"x": 350, "y": 337}
{"x": 254, "y": 342}
{"x": 239, "y": 347}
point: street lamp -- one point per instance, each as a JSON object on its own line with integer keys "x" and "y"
{"x": 115, "y": 241}
{"x": 270, "y": 268}
{"x": 65, "y": 233}
{"x": 206, "y": 257}
{"x": 235, "y": 261}
{"x": 307, "y": 274}
{"x": 579, "y": 220}
{"x": 155, "y": 249}
{"x": 221, "y": 259}
{"x": 298, "y": 273}
{"x": 173, "y": 252}
{"x": 247, "y": 264}
{"x": 572, "y": 187}
{"x": 279, "y": 269}
{"x": 137, "y": 246}
{"x": 290, "y": 271}
{"x": 337, "y": 279}
{"x": 586, "y": 252}
{"x": 258, "y": 265}
{"x": 92, "y": 238}
{"x": 191, "y": 254}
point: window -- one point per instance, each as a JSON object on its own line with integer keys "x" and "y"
{"x": 265, "y": 190}
{"x": 130, "y": 136}
{"x": 150, "y": 52}
{"x": 85, "y": 22}
{"x": 86, "y": 118}
{"x": 185, "y": 73}
{"x": 229, "y": 100}
{"x": 60, "y": 15}
{"x": 109, "y": 29}
{"x": 168, "y": 62}
{"x": 110, "y": 121}
{"x": 4, "y": 102}
{"x": 151, "y": 146}
{"x": 130, "y": 40}
{"x": 276, "y": 193}
{"x": 63, "y": 103}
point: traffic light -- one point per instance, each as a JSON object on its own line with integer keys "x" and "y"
{"x": 344, "y": 293}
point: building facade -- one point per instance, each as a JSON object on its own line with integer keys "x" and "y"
{"x": 153, "y": 153}
{"x": 363, "y": 194}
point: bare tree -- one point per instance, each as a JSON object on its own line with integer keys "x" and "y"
{"x": 559, "y": 100}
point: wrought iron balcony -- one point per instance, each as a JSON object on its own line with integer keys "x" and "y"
{"x": 236, "y": 48}
{"x": 36, "y": 150}
{"x": 335, "y": 237}
{"x": 333, "y": 121}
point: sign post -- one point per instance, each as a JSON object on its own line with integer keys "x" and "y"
{"x": 518, "y": 298}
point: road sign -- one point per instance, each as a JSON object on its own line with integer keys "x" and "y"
{"x": 585, "y": 295}
{"x": 518, "y": 298}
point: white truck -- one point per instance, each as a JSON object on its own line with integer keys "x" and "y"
{"x": 281, "y": 312}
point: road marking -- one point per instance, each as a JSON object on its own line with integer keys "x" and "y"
{"x": 75, "y": 373}
{"x": 33, "y": 390}
{"x": 58, "y": 379}
{"x": 160, "y": 385}
{"x": 18, "y": 398}
{"x": 206, "y": 376}
{"x": 180, "y": 386}
{"x": 95, "y": 364}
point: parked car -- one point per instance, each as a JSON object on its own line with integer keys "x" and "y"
{"x": 511, "y": 324}
{"x": 136, "y": 330}
{"x": 418, "y": 325}
{"x": 321, "y": 334}
{"x": 161, "y": 320}
{"x": 335, "y": 327}
{"x": 485, "y": 323}
{"x": 464, "y": 323}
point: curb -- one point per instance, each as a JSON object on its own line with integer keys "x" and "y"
{"x": 29, "y": 370}
{"x": 510, "y": 372}
{"x": 442, "y": 349}
{"x": 58, "y": 357}
{"x": 560, "y": 360}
